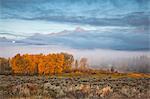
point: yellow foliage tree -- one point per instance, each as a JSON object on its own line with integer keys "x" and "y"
{"x": 41, "y": 64}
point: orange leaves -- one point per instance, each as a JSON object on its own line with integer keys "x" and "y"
{"x": 41, "y": 64}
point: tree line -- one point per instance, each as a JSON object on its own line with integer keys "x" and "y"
{"x": 54, "y": 63}
{"x": 5, "y": 66}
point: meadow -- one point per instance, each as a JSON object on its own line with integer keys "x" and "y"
{"x": 76, "y": 86}
{"x": 54, "y": 76}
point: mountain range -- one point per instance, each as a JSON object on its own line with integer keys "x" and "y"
{"x": 86, "y": 39}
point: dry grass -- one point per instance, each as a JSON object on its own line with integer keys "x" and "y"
{"x": 77, "y": 85}
{"x": 138, "y": 75}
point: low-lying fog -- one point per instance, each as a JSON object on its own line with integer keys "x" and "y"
{"x": 103, "y": 58}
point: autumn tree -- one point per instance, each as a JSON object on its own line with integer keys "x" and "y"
{"x": 76, "y": 64}
{"x": 4, "y": 66}
{"x": 41, "y": 64}
{"x": 16, "y": 64}
{"x": 22, "y": 64}
{"x": 68, "y": 61}
{"x": 83, "y": 63}
{"x": 59, "y": 62}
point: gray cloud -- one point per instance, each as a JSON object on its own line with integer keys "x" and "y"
{"x": 116, "y": 40}
{"x": 95, "y": 12}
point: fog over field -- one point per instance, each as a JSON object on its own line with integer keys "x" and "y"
{"x": 95, "y": 57}
{"x": 74, "y": 49}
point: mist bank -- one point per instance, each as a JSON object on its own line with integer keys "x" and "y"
{"x": 94, "y": 56}
{"x": 97, "y": 58}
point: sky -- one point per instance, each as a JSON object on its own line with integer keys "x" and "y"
{"x": 46, "y": 16}
{"x": 100, "y": 30}
{"x": 114, "y": 24}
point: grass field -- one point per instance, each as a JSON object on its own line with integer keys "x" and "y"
{"x": 76, "y": 86}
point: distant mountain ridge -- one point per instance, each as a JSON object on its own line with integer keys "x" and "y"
{"x": 84, "y": 39}
{"x": 90, "y": 39}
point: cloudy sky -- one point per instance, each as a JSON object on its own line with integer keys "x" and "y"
{"x": 100, "y": 30}
{"x": 46, "y": 16}
{"x": 114, "y": 24}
